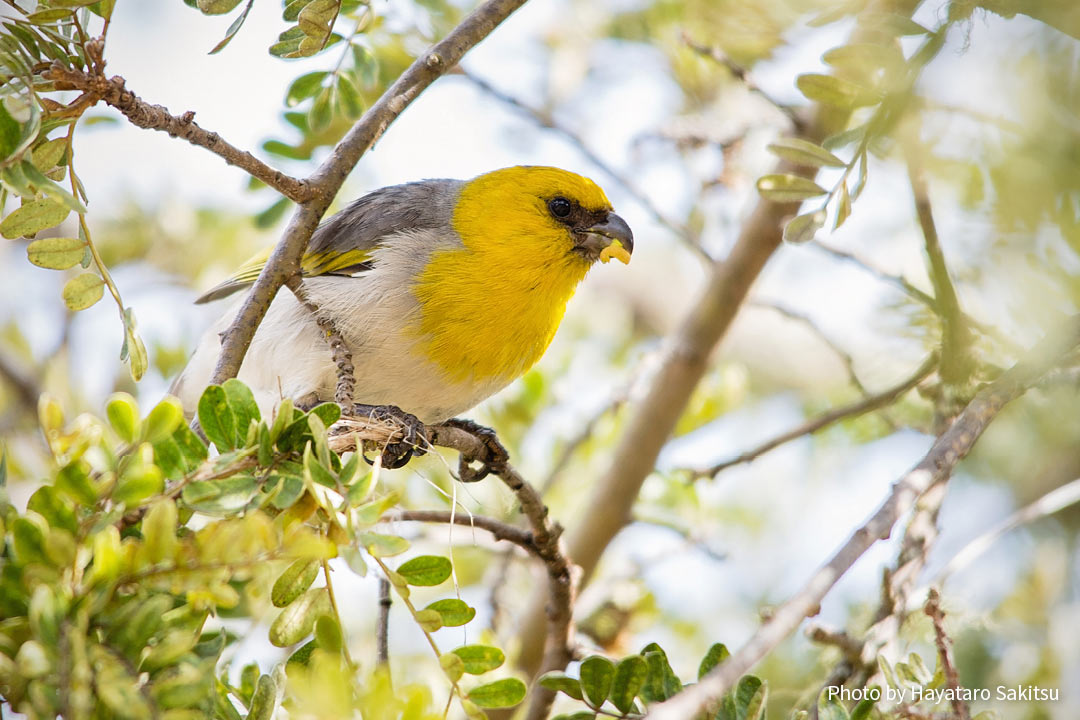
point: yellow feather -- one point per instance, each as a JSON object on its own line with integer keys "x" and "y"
{"x": 491, "y": 308}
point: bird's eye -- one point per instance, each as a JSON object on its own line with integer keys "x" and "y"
{"x": 560, "y": 207}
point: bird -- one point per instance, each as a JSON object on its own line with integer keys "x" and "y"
{"x": 445, "y": 291}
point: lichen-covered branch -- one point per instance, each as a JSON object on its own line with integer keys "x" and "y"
{"x": 325, "y": 182}
{"x": 936, "y": 467}
{"x": 945, "y": 656}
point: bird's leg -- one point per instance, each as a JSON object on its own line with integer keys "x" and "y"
{"x": 494, "y": 457}
{"x": 414, "y": 439}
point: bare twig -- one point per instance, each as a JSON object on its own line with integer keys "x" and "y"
{"x": 339, "y": 350}
{"x": 936, "y": 467}
{"x": 545, "y": 120}
{"x": 944, "y": 647}
{"x": 808, "y": 322}
{"x": 382, "y": 624}
{"x": 325, "y": 182}
{"x": 1054, "y": 501}
{"x": 742, "y": 75}
{"x": 872, "y": 402}
{"x": 498, "y": 529}
{"x": 156, "y": 117}
{"x": 956, "y": 361}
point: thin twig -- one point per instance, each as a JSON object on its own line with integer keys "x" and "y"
{"x": 936, "y": 467}
{"x": 498, "y": 529}
{"x": 806, "y": 321}
{"x": 957, "y": 364}
{"x": 339, "y": 349}
{"x": 1054, "y": 501}
{"x": 545, "y": 120}
{"x": 382, "y": 624}
{"x": 944, "y": 647}
{"x": 868, "y": 404}
{"x": 742, "y": 75}
{"x": 156, "y": 117}
{"x": 326, "y": 181}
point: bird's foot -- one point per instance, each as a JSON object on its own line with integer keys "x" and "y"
{"x": 492, "y": 459}
{"x": 414, "y": 437}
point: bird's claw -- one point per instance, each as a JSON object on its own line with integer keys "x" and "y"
{"x": 493, "y": 459}
{"x": 414, "y": 436}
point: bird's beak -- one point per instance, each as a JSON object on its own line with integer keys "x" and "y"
{"x": 612, "y": 238}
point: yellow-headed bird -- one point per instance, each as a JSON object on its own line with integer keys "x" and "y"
{"x": 444, "y": 290}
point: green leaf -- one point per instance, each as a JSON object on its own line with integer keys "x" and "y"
{"x": 499, "y": 694}
{"x": 32, "y": 218}
{"x": 630, "y": 676}
{"x": 350, "y": 102}
{"x": 321, "y": 111}
{"x": 50, "y": 188}
{"x": 843, "y": 206}
{"x": 163, "y": 420}
{"x": 216, "y": 418}
{"x": 264, "y": 700}
{"x": 561, "y": 682}
{"x": 661, "y": 683}
{"x": 82, "y": 291}
{"x": 429, "y": 620}
{"x": 788, "y": 188}
{"x": 862, "y": 710}
{"x": 829, "y": 708}
{"x": 303, "y": 656}
{"x": 716, "y": 654}
{"x": 292, "y": 9}
{"x": 803, "y": 152}
{"x": 242, "y": 403}
{"x": 304, "y": 87}
{"x": 191, "y": 446}
{"x": 10, "y": 130}
{"x": 56, "y": 253}
{"x": 426, "y": 570}
{"x": 831, "y": 90}
{"x": 159, "y": 530}
{"x": 217, "y": 7}
{"x": 222, "y": 496}
{"x": 597, "y": 675}
{"x": 46, "y": 17}
{"x": 452, "y": 665}
{"x": 802, "y": 228}
{"x": 123, "y": 416}
{"x": 453, "y": 612}
{"x": 381, "y": 546}
{"x": 297, "y": 620}
{"x": 480, "y": 659}
{"x": 292, "y": 583}
{"x": 751, "y": 694}
{"x": 579, "y": 715}
{"x": 74, "y": 480}
{"x": 328, "y": 634}
{"x": 136, "y": 486}
{"x": 233, "y": 29}
{"x": 49, "y": 154}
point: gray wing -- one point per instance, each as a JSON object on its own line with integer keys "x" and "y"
{"x": 357, "y": 229}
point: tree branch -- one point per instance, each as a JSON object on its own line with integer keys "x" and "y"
{"x": 944, "y": 647}
{"x": 868, "y": 404}
{"x": 498, "y": 529}
{"x": 936, "y": 467}
{"x": 382, "y": 625}
{"x": 653, "y": 419}
{"x": 325, "y": 182}
{"x": 156, "y": 117}
{"x": 956, "y": 361}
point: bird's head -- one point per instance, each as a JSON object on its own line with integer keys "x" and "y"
{"x": 544, "y": 212}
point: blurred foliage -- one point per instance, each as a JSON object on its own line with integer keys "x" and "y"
{"x": 129, "y": 553}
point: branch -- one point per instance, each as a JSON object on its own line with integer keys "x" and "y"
{"x": 326, "y": 181}
{"x": 156, "y": 117}
{"x": 685, "y": 361}
{"x": 742, "y": 75}
{"x": 956, "y": 361}
{"x": 544, "y": 540}
{"x": 870, "y": 403}
{"x": 936, "y": 467}
{"x": 545, "y": 120}
{"x": 498, "y": 529}
{"x": 339, "y": 349}
{"x": 944, "y": 647}
{"x": 382, "y": 625}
